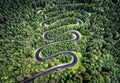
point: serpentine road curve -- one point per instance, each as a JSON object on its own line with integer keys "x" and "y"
{"x": 58, "y": 67}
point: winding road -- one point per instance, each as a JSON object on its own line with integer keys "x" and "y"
{"x": 77, "y": 36}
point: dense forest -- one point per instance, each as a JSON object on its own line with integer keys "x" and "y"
{"x": 98, "y": 49}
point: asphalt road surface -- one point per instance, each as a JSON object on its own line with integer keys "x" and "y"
{"x": 58, "y": 67}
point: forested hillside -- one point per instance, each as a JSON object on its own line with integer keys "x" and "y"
{"x": 21, "y": 34}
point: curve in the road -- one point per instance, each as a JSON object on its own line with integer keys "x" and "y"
{"x": 58, "y": 67}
